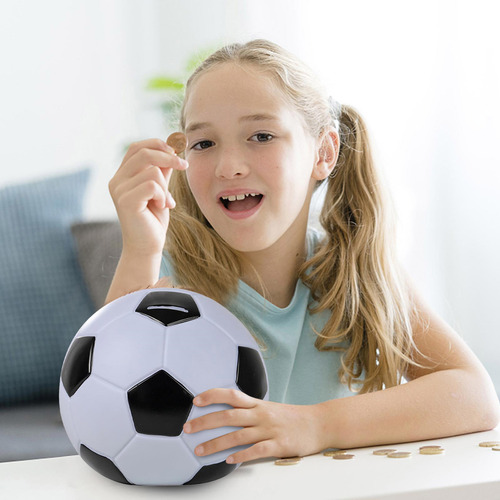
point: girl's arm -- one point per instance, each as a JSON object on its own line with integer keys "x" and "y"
{"x": 453, "y": 395}
{"x": 133, "y": 272}
{"x": 139, "y": 190}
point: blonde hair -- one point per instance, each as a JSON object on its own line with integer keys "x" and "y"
{"x": 353, "y": 272}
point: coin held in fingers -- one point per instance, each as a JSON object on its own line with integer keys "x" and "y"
{"x": 178, "y": 141}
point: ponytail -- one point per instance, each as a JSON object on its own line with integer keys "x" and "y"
{"x": 354, "y": 272}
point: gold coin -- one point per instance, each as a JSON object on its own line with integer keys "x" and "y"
{"x": 331, "y": 453}
{"x": 343, "y": 456}
{"x": 429, "y": 447}
{"x": 431, "y": 451}
{"x": 496, "y": 448}
{"x": 287, "y": 461}
{"x": 384, "y": 451}
{"x": 489, "y": 444}
{"x": 400, "y": 454}
{"x": 178, "y": 141}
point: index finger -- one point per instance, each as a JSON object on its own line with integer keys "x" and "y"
{"x": 232, "y": 397}
{"x": 157, "y": 144}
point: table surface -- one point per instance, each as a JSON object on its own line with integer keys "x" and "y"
{"x": 465, "y": 471}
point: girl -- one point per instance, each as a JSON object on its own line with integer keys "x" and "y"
{"x": 333, "y": 311}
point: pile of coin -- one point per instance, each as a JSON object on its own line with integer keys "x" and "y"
{"x": 288, "y": 461}
{"x": 434, "y": 449}
{"x": 392, "y": 453}
{"x": 494, "y": 445}
{"x": 338, "y": 454}
{"x": 384, "y": 451}
{"x": 343, "y": 456}
{"x": 431, "y": 450}
{"x": 423, "y": 450}
{"x": 399, "y": 454}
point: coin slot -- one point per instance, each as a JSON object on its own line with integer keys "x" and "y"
{"x": 171, "y": 308}
{"x": 168, "y": 307}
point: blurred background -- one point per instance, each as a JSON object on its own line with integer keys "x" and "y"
{"x": 75, "y": 82}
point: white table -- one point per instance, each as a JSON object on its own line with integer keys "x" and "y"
{"x": 465, "y": 471}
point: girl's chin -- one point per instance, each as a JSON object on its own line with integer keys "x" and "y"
{"x": 246, "y": 242}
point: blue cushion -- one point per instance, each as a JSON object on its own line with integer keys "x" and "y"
{"x": 43, "y": 300}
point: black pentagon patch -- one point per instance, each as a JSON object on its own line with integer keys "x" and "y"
{"x": 77, "y": 364}
{"x": 250, "y": 373}
{"x": 102, "y": 465}
{"x": 160, "y": 405}
{"x": 212, "y": 472}
{"x": 169, "y": 308}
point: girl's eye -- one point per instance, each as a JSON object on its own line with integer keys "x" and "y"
{"x": 262, "y": 137}
{"x": 202, "y": 145}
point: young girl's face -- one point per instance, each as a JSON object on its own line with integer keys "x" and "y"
{"x": 246, "y": 141}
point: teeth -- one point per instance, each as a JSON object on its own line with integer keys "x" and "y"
{"x": 238, "y": 197}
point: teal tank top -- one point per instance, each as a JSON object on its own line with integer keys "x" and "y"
{"x": 298, "y": 373}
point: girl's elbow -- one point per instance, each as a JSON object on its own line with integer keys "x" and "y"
{"x": 492, "y": 417}
{"x": 483, "y": 403}
{"x": 490, "y": 408}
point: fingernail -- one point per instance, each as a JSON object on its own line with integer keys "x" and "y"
{"x": 199, "y": 450}
{"x": 184, "y": 163}
{"x": 197, "y": 400}
{"x": 187, "y": 428}
{"x": 230, "y": 460}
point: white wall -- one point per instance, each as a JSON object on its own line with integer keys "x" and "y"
{"x": 425, "y": 76}
{"x": 68, "y": 95}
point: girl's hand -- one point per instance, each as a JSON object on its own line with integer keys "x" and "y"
{"x": 139, "y": 190}
{"x": 274, "y": 429}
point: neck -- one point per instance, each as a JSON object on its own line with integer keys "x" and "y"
{"x": 273, "y": 272}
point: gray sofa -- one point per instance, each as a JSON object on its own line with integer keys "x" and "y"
{"x": 33, "y": 429}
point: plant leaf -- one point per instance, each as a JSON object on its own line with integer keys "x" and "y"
{"x": 198, "y": 57}
{"x": 165, "y": 83}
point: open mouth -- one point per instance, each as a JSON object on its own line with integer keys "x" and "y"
{"x": 241, "y": 202}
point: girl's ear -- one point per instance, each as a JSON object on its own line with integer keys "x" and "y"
{"x": 327, "y": 154}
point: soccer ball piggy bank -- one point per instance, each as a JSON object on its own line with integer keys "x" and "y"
{"x": 131, "y": 373}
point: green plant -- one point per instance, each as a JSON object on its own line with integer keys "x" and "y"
{"x": 171, "y": 88}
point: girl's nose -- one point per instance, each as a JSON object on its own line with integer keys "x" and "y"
{"x": 231, "y": 164}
